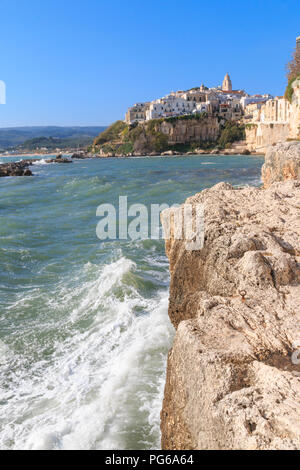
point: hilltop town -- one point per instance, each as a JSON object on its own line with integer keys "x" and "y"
{"x": 261, "y": 119}
{"x": 207, "y": 120}
{"x": 221, "y": 101}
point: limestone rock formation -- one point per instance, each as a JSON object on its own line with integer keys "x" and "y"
{"x": 159, "y": 135}
{"x": 282, "y": 163}
{"x": 179, "y": 131}
{"x": 232, "y": 377}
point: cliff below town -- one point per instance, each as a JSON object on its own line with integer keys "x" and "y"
{"x": 176, "y": 134}
{"x": 233, "y": 376}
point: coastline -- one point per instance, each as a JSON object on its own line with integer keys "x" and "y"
{"x": 232, "y": 381}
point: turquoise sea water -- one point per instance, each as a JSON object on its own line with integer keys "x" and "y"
{"x": 84, "y": 330}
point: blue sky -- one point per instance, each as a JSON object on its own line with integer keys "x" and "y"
{"x": 73, "y": 62}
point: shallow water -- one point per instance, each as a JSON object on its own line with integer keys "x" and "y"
{"x": 84, "y": 330}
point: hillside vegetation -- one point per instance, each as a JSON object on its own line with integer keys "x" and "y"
{"x": 289, "y": 89}
{"x": 293, "y": 73}
{"x": 152, "y": 136}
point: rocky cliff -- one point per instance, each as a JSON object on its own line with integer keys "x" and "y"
{"x": 282, "y": 162}
{"x": 233, "y": 374}
{"x": 178, "y": 134}
{"x": 171, "y": 132}
{"x": 159, "y": 135}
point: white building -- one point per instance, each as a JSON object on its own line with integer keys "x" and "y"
{"x": 255, "y": 99}
{"x": 168, "y": 106}
{"x": 225, "y": 102}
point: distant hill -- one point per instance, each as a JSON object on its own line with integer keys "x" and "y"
{"x": 13, "y": 137}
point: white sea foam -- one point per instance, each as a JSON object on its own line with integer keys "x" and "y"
{"x": 42, "y": 161}
{"x": 103, "y": 386}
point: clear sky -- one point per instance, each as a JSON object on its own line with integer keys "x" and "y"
{"x": 75, "y": 62}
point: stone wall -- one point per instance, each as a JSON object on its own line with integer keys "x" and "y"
{"x": 278, "y": 121}
{"x": 260, "y": 136}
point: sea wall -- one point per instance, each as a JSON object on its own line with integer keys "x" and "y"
{"x": 260, "y": 136}
{"x": 233, "y": 381}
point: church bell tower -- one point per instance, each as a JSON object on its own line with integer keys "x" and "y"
{"x": 227, "y": 85}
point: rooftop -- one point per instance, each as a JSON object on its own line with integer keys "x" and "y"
{"x": 238, "y": 92}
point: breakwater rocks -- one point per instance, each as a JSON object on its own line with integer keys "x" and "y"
{"x": 82, "y": 155}
{"x": 59, "y": 159}
{"x": 15, "y": 169}
{"x": 21, "y": 168}
{"x": 233, "y": 373}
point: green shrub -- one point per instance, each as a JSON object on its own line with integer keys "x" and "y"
{"x": 250, "y": 125}
{"x": 186, "y": 117}
{"x": 160, "y": 142}
{"x": 232, "y": 132}
{"x": 289, "y": 89}
{"x": 134, "y": 133}
{"x": 125, "y": 149}
{"x": 111, "y": 133}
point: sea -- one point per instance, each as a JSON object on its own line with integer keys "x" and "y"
{"x": 84, "y": 326}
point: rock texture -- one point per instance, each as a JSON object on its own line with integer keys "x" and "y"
{"x": 179, "y": 131}
{"x": 282, "y": 162}
{"x": 193, "y": 130}
{"x": 231, "y": 382}
{"x": 82, "y": 155}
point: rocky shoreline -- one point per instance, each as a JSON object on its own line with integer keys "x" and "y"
{"x": 21, "y": 168}
{"x": 175, "y": 153}
{"x": 233, "y": 373}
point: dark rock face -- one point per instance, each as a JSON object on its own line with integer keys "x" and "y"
{"x": 82, "y": 155}
{"x": 22, "y": 168}
{"x": 59, "y": 159}
{"x": 15, "y": 169}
